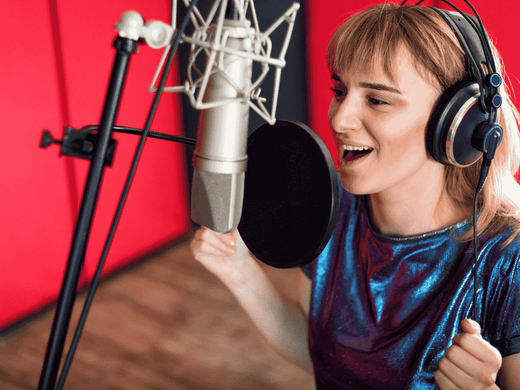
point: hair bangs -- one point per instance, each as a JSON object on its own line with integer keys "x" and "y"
{"x": 375, "y": 36}
{"x": 364, "y": 42}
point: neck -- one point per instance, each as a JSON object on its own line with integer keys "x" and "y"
{"x": 411, "y": 209}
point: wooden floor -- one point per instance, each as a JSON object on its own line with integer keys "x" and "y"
{"x": 165, "y": 323}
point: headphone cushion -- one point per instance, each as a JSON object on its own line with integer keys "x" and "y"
{"x": 452, "y": 123}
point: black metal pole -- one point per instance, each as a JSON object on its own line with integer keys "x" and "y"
{"x": 124, "y": 48}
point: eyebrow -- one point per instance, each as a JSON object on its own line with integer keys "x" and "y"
{"x": 376, "y": 86}
{"x": 381, "y": 87}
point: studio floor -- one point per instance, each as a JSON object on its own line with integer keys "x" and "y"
{"x": 163, "y": 323}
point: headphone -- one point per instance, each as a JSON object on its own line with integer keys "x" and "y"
{"x": 464, "y": 124}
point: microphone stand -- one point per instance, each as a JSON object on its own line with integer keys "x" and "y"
{"x": 124, "y": 48}
{"x": 99, "y": 150}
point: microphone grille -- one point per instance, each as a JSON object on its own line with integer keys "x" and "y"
{"x": 216, "y": 200}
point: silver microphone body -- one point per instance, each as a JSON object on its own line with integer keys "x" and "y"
{"x": 220, "y": 157}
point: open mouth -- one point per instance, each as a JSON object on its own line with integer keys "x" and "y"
{"x": 351, "y": 154}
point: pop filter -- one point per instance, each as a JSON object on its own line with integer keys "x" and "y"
{"x": 291, "y": 195}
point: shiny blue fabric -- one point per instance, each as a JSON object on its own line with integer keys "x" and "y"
{"x": 383, "y": 310}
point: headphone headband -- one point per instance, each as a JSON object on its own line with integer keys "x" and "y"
{"x": 476, "y": 46}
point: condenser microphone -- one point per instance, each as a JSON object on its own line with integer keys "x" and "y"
{"x": 220, "y": 158}
{"x": 225, "y": 92}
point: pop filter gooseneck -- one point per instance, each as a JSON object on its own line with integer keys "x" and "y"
{"x": 291, "y": 195}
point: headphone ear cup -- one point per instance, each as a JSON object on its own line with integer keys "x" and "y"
{"x": 453, "y": 121}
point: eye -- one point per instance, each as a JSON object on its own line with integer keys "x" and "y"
{"x": 337, "y": 92}
{"x": 376, "y": 102}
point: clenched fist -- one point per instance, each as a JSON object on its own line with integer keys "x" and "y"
{"x": 470, "y": 362}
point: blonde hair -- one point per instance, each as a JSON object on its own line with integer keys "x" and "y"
{"x": 374, "y": 36}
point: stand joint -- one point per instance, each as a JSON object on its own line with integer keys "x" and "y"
{"x": 79, "y": 143}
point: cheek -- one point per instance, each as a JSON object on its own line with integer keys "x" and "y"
{"x": 405, "y": 145}
{"x": 333, "y": 109}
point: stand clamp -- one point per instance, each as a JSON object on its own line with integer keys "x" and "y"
{"x": 79, "y": 143}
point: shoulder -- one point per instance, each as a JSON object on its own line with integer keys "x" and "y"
{"x": 500, "y": 271}
{"x": 503, "y": 245}
{"x": 499, "y": 256}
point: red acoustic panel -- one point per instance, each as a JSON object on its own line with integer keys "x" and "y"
{"x": 56, "y": 63}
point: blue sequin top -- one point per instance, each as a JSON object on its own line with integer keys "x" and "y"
{"x": 383, "y": 310}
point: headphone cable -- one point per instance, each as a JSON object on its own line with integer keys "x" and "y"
{"x": 490, "y": 145}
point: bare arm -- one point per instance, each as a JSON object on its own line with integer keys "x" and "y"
{"x": 304, "y": 293}
{"x": 278, "y": 318}
{"x": 510, "y": 372}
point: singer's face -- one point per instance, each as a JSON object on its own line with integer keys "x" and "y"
{"x": 369, "y": 110}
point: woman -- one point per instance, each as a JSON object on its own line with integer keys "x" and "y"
{"x": 386, "y": 304}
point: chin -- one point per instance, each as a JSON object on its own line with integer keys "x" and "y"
{"x": 355, "y": 188}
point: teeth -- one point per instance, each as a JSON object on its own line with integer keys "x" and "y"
{"x": 349, "y": 147}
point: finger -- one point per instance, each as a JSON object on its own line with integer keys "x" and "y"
{"x": 213, "y": 262}
{"x": 210, "y": 240}
{"x": 459, "y": 365}
{"x": 479, "y": 348}
{"x": 444, "y": 382}
{"x": 454, "y": 373}
{"x": 227, "y": 239}
{"x": 204, "y": 250}
{"x": 470, "y": 326}
{"x": 238, "y": 242}
{"x": 207, "y": 248}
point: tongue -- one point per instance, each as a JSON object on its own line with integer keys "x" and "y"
{"x": 351, "y": 155}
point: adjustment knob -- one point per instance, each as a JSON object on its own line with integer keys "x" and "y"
{"x": 494, "y": 80}
{"x": 47, "y": 139}
{"x": 495, "y": 100}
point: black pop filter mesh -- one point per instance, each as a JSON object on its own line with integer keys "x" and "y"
{"x": 290, "y": 196}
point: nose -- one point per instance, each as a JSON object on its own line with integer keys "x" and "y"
{"x": 344, "y": 114}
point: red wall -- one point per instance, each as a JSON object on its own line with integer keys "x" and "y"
{"x": 56, "y": 62}
{"x": 323, "y": 17}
